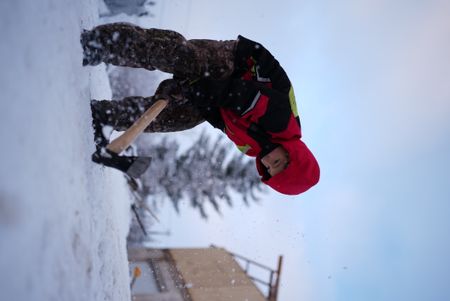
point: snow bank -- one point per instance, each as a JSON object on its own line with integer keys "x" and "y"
{"x": 63, "y": 220}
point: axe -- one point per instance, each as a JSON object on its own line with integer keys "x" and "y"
{"x": 132, "y": 165}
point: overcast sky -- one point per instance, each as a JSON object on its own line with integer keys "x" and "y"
{"x": 372, "y": 82}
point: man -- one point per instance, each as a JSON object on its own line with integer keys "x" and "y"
{"x": 237, "y": 86}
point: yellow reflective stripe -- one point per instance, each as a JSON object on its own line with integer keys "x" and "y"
{"x": 292, "y": 102}
{"x": 253, "y": 69}
{"x": 243, "y": 148}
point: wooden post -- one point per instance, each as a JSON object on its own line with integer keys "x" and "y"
{"x": 274, "y": 290}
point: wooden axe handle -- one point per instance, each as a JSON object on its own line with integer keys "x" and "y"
{"x": 124, "y": 140}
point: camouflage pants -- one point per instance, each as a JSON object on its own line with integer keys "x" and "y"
{"x": 121, "y": 114}
{"x": 123, "y": 44}
{"x": 127, "y": 45}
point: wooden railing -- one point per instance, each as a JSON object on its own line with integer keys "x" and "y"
{"x": 274, "y": 275}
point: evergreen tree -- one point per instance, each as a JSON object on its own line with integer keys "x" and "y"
{"x": 206, "y": 173}
{"x": 130, "y": 7}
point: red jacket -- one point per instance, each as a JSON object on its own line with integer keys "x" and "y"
{"x": 257, "y": 111}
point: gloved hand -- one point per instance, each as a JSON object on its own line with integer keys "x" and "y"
{"x": 170, "y": 90}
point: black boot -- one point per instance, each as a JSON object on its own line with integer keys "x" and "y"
{"x": 133, "y": 166}
{"x": 92, "y": 49}
{"x": 99, "y": 119}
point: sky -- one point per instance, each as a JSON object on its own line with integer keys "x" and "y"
{"x": 372, "y": 87}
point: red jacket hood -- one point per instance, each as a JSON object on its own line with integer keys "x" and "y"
{"x": 302, "y": 173}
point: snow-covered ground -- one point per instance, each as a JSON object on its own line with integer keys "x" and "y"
{"x": 63, "y": 220}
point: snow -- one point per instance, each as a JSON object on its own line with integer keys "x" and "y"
{"x": 63, "y": 219}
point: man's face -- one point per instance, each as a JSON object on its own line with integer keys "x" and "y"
{"x": 276, "y": 161}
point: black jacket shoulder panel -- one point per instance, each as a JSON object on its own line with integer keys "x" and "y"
{"x": 267, "y": 67}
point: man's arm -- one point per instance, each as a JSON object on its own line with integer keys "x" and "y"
{"x": 268, "y": 108}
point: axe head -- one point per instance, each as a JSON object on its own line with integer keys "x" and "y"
{"x": 133, "y": 166}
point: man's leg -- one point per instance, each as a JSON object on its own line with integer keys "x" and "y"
{"x": 132, "y": 46}
{"x": 127, "y": 45}
{"x": 180, "y": 114}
